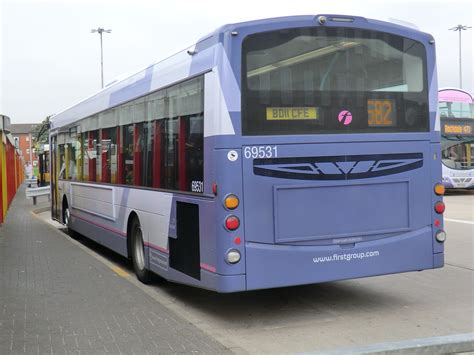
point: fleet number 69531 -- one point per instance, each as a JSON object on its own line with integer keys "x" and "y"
{"x": 266, "y": 151}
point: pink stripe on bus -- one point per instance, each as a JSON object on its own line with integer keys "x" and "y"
{"x": 208, "y": 267}
{"x": 153, "y": 246}
{"x": 113, "y": 230}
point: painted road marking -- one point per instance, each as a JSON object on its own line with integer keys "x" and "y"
{"x": 119, "y": 271}
{"x": 458, "y": 221}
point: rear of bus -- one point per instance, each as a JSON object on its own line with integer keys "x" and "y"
{"x": 339, "y": 157}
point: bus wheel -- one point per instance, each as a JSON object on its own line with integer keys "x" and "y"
{"x": 66, "y": 220}
{"x": 138, "y": 253}
{"x": 67, "y": 216}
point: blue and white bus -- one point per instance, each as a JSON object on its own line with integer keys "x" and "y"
{"x": 456, "y": 109}
{"x": 271, "y": 153}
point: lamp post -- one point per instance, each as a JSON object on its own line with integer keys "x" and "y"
{"x": 100, "y": 30}
{"x": 460, "y": 28}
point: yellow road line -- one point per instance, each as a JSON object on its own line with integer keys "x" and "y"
{"x": 119, "y": 271}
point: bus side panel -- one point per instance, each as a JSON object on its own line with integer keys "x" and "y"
{"x": 107, "y": 208}
{"x": 101, "y": 212}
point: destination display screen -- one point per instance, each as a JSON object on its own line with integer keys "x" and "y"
{"x": 381, "y": 113}
{"x": 457, "y": 127}
{"x": 292, "y": 113}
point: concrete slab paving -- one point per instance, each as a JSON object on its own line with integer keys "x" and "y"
{"x": 56, "y": 298}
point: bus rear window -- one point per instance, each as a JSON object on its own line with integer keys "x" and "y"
{"x": 333, "y": 80}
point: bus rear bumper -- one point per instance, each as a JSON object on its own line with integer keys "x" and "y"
{"x": 438, "y": 260}
{"x": 271, "y": 266}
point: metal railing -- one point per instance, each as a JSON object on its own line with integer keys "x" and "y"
{"x": 35, "y": 192}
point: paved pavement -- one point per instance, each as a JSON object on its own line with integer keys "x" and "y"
{"x": 57, "y": 298}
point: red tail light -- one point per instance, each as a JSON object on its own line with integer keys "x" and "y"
{"x": 232, "y": 223}
{"x": 439, "y": 207}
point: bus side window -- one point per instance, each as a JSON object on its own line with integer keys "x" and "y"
{"x": 98, "y": 155}
{"x": 171, "y": 154}
{"x": 186, "y": 148}
{"x": 92, "y": 155}
{"x": 126, "y": 159}
{"x": 78, "y": 156}
{"x": 85, "y": 156}
{"x": 147, "y": 144}
{"x": 72, "y": 167}
{"x": 195, "y": 153}
{"x": 108, "y": 154}
{"x": 62, "y": 165}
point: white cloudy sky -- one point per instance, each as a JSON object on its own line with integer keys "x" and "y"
{"x": 50, "y": 60}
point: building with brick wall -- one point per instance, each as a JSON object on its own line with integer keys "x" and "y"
{"x": 22, "y": 134}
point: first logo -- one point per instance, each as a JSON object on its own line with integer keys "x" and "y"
{"x": 345, "y": 117}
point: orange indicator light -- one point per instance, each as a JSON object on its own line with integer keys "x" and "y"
{"x": 439, "y": 189}
{"x": 231, "y": 202}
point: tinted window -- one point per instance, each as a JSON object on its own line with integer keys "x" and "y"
{"x": 71, "y": 168}
{"x": 195, "y": 152}
{"x": 91, "y": 154}
{"x": 62, "y": 161}
{"x": 456, "y": 110}
{"x": 159, "y": 142}
{"x": 458, "y": 153}
{"x": 170, "y": 170}
{"x": 109, "y": 154}
{"x": 333, "y": 80}
{"x": 146, "y": 140}
{"x": 127, "y": 153}
{"x": 85, "y": 156}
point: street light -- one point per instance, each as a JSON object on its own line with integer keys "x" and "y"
{"x": 460, "y": 28}
{"x": 100, "y": 30}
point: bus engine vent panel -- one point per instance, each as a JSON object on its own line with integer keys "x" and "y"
{"x": 184, "y": 250}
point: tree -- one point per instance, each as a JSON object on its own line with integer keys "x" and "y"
{"x": 41, "y": 132}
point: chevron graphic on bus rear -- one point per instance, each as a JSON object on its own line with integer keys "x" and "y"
{"x": 337, "y": 167}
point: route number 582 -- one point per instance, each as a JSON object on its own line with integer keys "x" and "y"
{"x": 381, "y": 113}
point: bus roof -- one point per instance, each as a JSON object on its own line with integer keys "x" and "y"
{"x": 184, "y": 64}
{"x": 454, "y": 95}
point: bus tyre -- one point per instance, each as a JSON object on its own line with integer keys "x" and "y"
{"x": 138, "y": 253}
{"x": 67, "y": 216}
{"x": 67, "y": 219}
